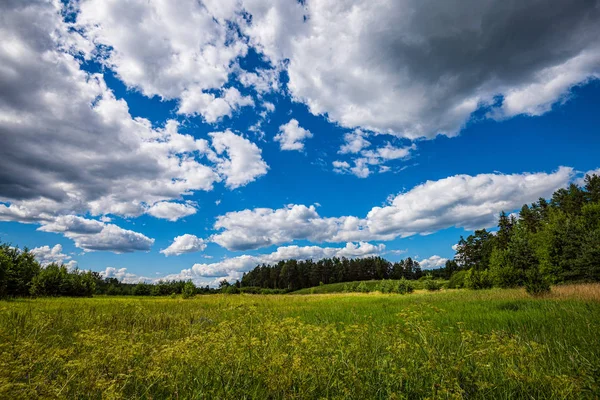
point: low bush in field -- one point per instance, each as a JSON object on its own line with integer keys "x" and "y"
{"x": 477, "y": 280}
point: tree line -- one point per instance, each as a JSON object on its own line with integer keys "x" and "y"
{"x": 295, "y": 275}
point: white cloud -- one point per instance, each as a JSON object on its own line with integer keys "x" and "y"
{"x": 243, "y": 163}
{"x": 93, "y": 235}
{"x": 354, "y": 142}
{"x": 417, "y": 69}
{"x": 463, "y": 201}
{"x": 171, "y": 211}
{"x": 185, "y": 244}
{"x": 175, "y": 52}
{"x": 126, "y": 277}
{"x": 60, "y": 126}
{"x": 433, "y": 262}
{"x": 291, "y": 136}
{"x": 261, "y": 227}
{"x": 213, "y": 108}
{"x": 48, "y": 255}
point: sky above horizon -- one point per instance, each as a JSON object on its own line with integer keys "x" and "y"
{"x": 195, "y": 140}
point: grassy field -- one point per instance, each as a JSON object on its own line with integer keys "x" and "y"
{"x": 372, "y": 285}
{"x": 449, "y": 344}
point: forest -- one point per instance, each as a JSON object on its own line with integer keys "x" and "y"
{"x": 548, "y": 242}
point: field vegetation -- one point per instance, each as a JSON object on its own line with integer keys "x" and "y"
{"x": 498, "y": 343}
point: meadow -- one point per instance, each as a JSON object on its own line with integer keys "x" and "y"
{"x": 498, "y": 343}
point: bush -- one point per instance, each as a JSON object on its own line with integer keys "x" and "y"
{"x": 189, "y": 290}
{"x": 432, "y": 285}
{"x": 386, "y": 286}
{"x": 231, "y": 289}
{"x": 457, "y": 280}
{"x": 477, "y": 280}
{"x": 536, "y": 284}
{"x": 404, "y": 286}
{"x": 363, "y": 288}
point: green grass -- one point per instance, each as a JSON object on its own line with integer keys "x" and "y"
{"x": 449, "y": 344}
{"x": 339, "y": 287}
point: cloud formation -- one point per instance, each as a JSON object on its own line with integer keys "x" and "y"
{"x": 415, "y": 68}
{"x": 433, "y": 262}
{"x": 291, "y": 136}
{"x": 48, "y": 255}
{"x": 68, "y": 146}
{"x": 464, "y": 201}
{"x": 184, "y": 244}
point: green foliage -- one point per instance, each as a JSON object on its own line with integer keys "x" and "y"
{"x": 457, "y": 280}
{"x": 189, "y": 290}
{"x": 363, "y": 288}
{"x": 17, "y": 270}
{"x": 536, "y": 284}
{"x": 387, "y": 286}
{"x": 142, "y": 289}
{"x": 57, "y": 280}
{"x": 477, "y": 280}
{"x": 404, "y": 286}
{"x": 501, "y": 269}
{"x": 431, "y": 284}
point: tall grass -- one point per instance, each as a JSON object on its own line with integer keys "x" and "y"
{"x": 452, "y": 344}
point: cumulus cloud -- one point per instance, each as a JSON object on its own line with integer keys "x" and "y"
{"x": 291, "y": 136}
{"x": 354, "y": 142}
{"x": 93, "y": 235}
{"x": 213, "y": 108}
{"x": 57, "y": 122}
{"x": 464, "y": 201}
{"x": 184, "y": 244}
{"x": 173, "y": 52}
{"x": 433, "y": 262}
{"x": 48, "y": 255}
{"x": 409, "y": 68}
{"x": 69, "y": 146}
{"x": 126, "y": 277}
{"x": 243, "y": 162}
{"x": 416, "y": 68}
{"x": 171, "y": 211}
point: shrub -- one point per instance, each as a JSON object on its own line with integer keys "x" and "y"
{"x": 189, "y": 290}
{"x": 536, "y": 284}
{"x": 386, "y": 286}
{"x": 362, "y": 288}
{"x": 231, "y": 290}
{"x": 432, "y": 285}
{"x": 404, "y": 286}
{"x": 478, "y": 279}
{"x": 457, "y": 280}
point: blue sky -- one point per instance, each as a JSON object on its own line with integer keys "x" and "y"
{"x": 149, "y": 140}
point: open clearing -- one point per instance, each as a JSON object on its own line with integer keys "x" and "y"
{"x": 450, "y": 344}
